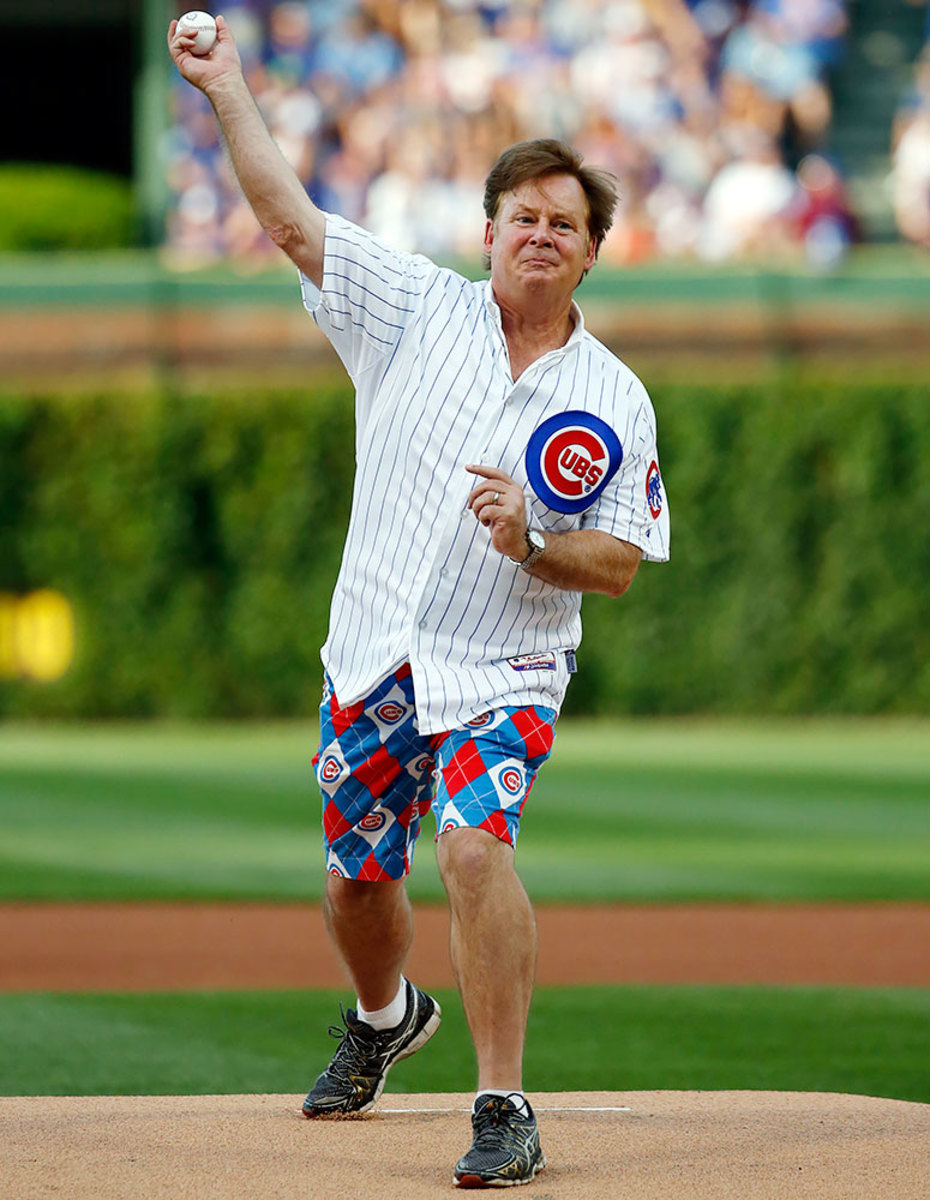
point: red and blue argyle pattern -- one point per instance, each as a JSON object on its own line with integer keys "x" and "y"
{"x": 379, "y": 776}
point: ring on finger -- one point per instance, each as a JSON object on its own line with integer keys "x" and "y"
{"x": 496, "y": 498}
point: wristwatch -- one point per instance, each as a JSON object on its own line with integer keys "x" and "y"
{"x": 536, "y": 545}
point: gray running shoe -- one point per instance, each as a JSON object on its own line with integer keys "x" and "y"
{"x": 505, "y": 1152}
{"x": 354, "y": 1079}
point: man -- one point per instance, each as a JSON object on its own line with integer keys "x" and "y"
{"x": 506, "y": 464}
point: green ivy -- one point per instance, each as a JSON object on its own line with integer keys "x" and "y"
{"x": 198, "y": 538}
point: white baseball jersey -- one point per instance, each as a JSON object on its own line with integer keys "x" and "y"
{"x": 420, "y": 580}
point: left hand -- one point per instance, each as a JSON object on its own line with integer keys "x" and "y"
{"x": 498, "y": 503}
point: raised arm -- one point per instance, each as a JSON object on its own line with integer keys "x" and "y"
{"x": 276, "y": 195}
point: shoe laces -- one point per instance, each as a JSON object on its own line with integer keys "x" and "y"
{"x": 492, "y": 1121}
{"x": 355, "y": 1047}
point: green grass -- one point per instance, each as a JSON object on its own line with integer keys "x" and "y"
{"x": 652, "y": 810}
{"x": 625, "y": 811}
{"x": 869, "y": 1042}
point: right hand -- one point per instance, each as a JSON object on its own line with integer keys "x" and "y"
{"x": 205, "y": 70}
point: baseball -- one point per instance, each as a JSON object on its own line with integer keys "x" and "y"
{"x": 201, "y": 26}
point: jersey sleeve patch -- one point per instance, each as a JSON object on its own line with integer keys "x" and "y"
{"x": 570, "y": 458}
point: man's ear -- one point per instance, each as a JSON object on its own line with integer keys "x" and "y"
{"x": 591, "y": 254}
{"x": 488, "y": 236}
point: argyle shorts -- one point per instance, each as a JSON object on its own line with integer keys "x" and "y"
{"x": 379, "y": 775}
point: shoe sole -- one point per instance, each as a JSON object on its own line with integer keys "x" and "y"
{"x": 417, "y": 1044}
{"x": 476, "y": 1181}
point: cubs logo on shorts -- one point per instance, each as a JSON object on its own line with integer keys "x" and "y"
{"x": 330, "y": 769}
{"x": 570, "y": 459}
{"x": 372, "y": 822}
{"x": 654, "y": 490}
{"x": 390, "y": 712}
{"x": 511, "y": 780}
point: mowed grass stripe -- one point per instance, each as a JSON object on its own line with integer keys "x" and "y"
{"x": 624, "y": 811}
{"x": 864, "y": 1041}
{"x": 880, "y": 746}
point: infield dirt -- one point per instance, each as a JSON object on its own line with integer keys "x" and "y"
{"x": 151, "y": 947}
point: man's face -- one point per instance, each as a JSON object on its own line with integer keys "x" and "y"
{"x": 539, "y": 238}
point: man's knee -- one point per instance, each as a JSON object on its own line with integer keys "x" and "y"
{"x": 355, "y": 897}
{"x": 466, "y": 856}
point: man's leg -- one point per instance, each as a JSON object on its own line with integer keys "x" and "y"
{"x": 371, "y": 926}
{"x": 494, "y": 946}
{"x": 485, "y": 772}
{"x": 372, "y": 766}
{"x": 494, "y": 956}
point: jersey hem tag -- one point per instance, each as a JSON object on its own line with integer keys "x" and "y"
{"x": 533, "y": 662}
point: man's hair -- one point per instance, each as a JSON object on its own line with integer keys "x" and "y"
{"x": 530, "y": 161}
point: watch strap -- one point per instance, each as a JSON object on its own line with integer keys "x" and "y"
{"x": 534, "y": 555}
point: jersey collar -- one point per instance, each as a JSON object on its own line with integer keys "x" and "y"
{"x": 574, "y": 337}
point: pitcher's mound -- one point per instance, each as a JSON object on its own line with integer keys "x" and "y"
{"x": 600, "y": 1146}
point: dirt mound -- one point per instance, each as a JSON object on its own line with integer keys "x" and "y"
{"x": 600, "y": 1146}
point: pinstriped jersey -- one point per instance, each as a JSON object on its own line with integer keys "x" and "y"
{"x": 420, "y": 580}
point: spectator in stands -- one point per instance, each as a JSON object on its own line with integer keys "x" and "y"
{"x": 747, "y": 206}
{"x": 825, "y": 224}
{"x": 910, "y": 177}
{"x": 775, "y": 53}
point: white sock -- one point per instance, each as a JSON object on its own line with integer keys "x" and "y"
{"x": 514, "y": 1095}
{"x": 391, "y": 1015}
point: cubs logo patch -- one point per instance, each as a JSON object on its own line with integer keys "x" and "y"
{"x": 480, "y": 722}
{"x": 372, "y": 822}
{"x": 511, "y": 780}
{"x": 570, "y": 459}
{"x": 390, "y": 712}
{"x": 330, "y": 769}
{"x": 654, "y": 490}
{"x": 423, "y": 764}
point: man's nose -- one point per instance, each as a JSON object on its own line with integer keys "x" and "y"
{"x": 542, "y": 233}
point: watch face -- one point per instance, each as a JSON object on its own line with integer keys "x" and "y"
{"x": 536, "y": 539}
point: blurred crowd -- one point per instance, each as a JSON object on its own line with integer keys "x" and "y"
{"x": 910, "y": 175}
{"x": 713, "y": 114}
